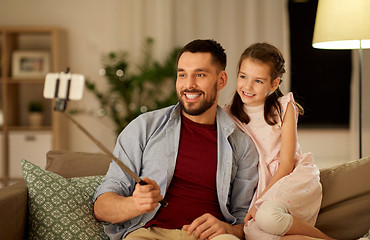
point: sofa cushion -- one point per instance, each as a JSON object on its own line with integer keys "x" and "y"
{"x": 77, "y": 164}
{"x": 61, "y": 208}
{"x": 345, "y": 209}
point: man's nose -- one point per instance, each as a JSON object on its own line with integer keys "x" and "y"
{"x": 191, "y": 82}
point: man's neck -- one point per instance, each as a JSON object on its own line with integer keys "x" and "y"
{"x": 208, "y": 117}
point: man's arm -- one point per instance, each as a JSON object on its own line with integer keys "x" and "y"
{"x": 113, "y": 208}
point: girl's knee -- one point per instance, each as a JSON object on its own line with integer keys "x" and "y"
{"x": 225, "y": 237}
{"x": 274, "y": 218}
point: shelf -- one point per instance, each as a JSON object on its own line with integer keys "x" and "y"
{"x": 18, "y": 92}
{"x": 26, "y": 81}
{"x": 29, "y": 29}
{"x": 29, "y": 128}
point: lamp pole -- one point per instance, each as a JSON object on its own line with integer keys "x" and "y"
{"x": 360, "y": 100}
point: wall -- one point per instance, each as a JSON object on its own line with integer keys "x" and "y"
{"x": 94, "y": 28}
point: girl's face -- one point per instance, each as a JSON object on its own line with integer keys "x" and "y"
{"x": 254, "y": 82}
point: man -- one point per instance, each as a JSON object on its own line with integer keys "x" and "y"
{"x": 191, "y": 153}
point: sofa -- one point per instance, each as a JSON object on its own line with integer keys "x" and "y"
{"x": 344, "y": 214}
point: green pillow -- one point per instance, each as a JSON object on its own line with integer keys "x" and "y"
{"x": 61, "y": 208}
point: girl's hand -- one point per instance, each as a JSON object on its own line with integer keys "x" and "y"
{"x": 251, "y": 214}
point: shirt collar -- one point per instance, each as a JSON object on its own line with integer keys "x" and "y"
{"x": 221, "y": 116}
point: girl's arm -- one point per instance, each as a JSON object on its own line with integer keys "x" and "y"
{"x": 287, "y": 148}
{"x": 288, "y": 145}
{"x": 287, "y": 152}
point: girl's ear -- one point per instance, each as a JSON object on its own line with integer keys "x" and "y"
{"x": 275, "y": 84}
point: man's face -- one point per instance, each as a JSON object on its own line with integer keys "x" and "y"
{"x": 197, "y": 83}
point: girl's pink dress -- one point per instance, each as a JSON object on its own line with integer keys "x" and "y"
{"x": 300, "y": 191}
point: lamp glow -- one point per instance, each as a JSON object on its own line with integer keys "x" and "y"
{"x": 344, "y": 24}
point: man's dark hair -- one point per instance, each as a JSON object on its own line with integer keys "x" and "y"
{"x": 206, "y": 46}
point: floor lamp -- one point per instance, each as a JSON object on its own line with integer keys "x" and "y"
{"x": 343, "y": 24}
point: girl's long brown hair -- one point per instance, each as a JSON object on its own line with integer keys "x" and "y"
{"x": 268, "y": 54}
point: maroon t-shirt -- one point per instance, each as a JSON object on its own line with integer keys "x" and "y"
{"x": 192, "y": 191}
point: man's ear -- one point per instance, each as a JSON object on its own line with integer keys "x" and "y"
{"x": 222, "y": 80}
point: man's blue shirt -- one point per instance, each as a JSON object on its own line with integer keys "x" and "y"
{"x": 149, "y": 147}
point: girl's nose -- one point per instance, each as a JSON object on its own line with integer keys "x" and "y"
{"x": 249, "y": 84}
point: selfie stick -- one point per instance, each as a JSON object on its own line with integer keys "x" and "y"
{"x": 60, "y": 106}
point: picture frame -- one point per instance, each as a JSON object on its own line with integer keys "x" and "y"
{"x": 30, "y": 64}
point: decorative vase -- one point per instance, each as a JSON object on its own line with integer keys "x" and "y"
{"x": 35, "y": 119}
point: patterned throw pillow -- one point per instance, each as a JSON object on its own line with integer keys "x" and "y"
{"x": 60, "y": 208}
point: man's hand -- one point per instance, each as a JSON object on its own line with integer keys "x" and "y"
{"x": 113, "y": 208}
{"x": 147, "y": 197}
{"x": 206, "y": 227}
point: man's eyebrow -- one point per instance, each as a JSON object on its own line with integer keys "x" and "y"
{"x": 201, "y": 70}
{"x": 195, "y": 70}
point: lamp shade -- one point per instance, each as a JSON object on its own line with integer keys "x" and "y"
{"x": 342, "y": 24}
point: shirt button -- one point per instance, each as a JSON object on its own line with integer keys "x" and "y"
{"x": 142, "y": 224}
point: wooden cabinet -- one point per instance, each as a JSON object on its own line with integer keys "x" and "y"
{"x": 27, "y": 53}
{"x": 34, "y": 146}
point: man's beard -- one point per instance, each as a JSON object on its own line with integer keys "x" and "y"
{"x": 204, "y": 106}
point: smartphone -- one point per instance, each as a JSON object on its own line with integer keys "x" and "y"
{"x": 65, "y": 86}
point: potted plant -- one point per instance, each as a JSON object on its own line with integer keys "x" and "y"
{"x": 151, "y": 85}
{"x": 35, "y": 111}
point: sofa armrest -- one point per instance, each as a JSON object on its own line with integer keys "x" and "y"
{"x": 13, "y": 209}
{"x": 345, "y": 208}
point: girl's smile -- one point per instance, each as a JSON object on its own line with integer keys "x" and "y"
{"x": 248, "y": 94}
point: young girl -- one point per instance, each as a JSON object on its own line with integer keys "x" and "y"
{"x": 288, "y": 197}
